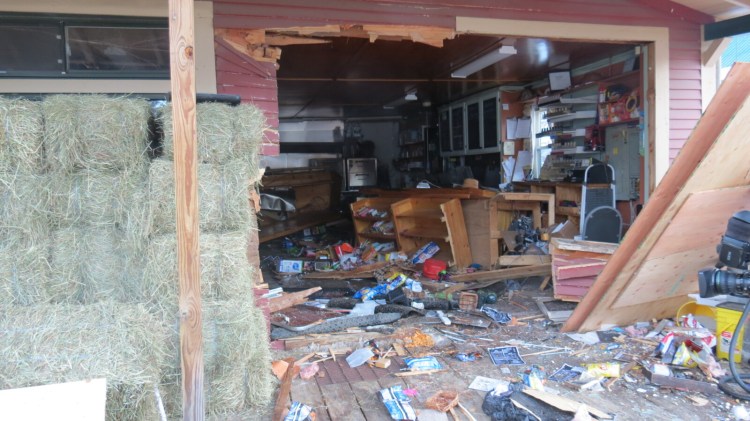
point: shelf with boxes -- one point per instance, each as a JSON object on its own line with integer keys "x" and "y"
{"x": 373, "y": 220}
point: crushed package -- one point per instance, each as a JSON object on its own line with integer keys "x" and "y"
{"x": 397, "y": 403}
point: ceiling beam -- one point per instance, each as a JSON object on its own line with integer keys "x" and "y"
{"x": 726, "y": 28}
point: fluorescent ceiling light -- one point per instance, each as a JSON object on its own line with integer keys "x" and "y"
{"x": 411, "y": 96}
{"x": 486, "y": 60}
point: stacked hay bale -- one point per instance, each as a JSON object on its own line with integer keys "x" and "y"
{"x": 236, "y": 349}
{"x": 88, "y": 269}
{"x": 74, "y": 226}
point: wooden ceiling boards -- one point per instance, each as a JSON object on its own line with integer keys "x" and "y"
{"x": 676, "y": 234}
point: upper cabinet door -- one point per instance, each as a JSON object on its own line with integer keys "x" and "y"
{"x": 473, "y": 128}
{"x": 444, "y": 126}
{"x": 457, "y": 128}
{"x": 491, "y": 136}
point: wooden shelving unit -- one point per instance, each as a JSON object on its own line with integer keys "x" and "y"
{"x": 421, "y": 220}
{"x": 363, "y": 224}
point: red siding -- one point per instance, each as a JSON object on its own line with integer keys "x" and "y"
{"x": 255, "y": 82}
{"x": 683, "y": 23}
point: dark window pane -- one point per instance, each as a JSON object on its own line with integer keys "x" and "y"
{"x": 118, "y": 49}
{"x": 30, "y": 48}
{"x": 457, "y": 128}
{"x": 491, "y": 138}
{"x": 472, "y": 122}
{"x": 445, "y": 131}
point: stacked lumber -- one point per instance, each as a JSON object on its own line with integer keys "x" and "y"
{"x": 576, "y": 265}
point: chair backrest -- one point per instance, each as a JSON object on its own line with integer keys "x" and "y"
{"x": 602, "y": 224}
{"x": 598, "y": 189}
{"x": 599, "y": 174}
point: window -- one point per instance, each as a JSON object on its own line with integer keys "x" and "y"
{"x": 117, "y": 49}
{"x": 78, "y": 46}
{"x": 541, "y": 146}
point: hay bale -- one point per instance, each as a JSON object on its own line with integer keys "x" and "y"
{"x": 237, "y": 359}
{"x": 225, "y": 133}
{"x": 91, "y": 264}
{"x": 223, "y": 197}
{"x": 225, "y": 271}
{"x": 23, "y": 205}
{"x": 60, "y": 343}
{"x": 21, "y": 134}
{"x": 24, "y": 269}
{"x": 95, "y": 198}
{"x": 95, "y": 132}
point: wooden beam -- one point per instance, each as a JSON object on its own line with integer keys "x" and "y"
{"x": 504, "y": 274}
{"x": 284, "y": 40}
{"x": 523, "y": 260}
{"x": 284, "y": 389}
{"x": 288, "y": 300}
{"x": 182, "y": 78}
{"x": 714, "y": 50}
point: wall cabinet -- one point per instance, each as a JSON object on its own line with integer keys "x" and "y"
{"x": 473, "y": 125}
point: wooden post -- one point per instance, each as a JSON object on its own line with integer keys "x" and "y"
{"x": 182, "y": 74}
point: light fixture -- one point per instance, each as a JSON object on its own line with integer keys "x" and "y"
{"x": 411, "y": 96}
{"x": 486, "y": 60}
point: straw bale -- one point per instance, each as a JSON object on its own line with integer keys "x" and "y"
{"x": 90, "y": 264}
{"x": 223, "y": 197}
{"x": 23, "y": 205}
{"x": 95, "y": 132}
{"x": 21, "y": 130}
{"x": 225, "y": 270}
{"x": 225, "y": 133}
{"x": 96, "y": 198}
{"x": 24, "y": 269}
{"x": 58, "y": 343}
{"x": 237, "y": 358}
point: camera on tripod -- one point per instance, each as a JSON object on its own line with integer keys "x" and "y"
{"x": 732, "y": 273}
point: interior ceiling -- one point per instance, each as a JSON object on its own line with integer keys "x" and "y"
{"x": 353, "y": 77}
{"x": 719, "y": 9}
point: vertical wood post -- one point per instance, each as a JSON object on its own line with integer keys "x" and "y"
{"x": 182, "y": 75}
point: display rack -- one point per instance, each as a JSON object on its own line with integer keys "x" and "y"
{"x": 363, "y": 225}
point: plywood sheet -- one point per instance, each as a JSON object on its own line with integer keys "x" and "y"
{"x": 714, "y": 158}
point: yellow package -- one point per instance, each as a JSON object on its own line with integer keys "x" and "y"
{"x": 603, "y": 369}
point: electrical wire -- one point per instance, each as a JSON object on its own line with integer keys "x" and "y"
{"x": 736, "y": 377}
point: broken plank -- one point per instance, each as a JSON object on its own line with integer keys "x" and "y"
{"x": 283, "y": 397}
{"x": 360, "y": 272}
{"x": 504, "y": 274}
{"x": 587, "y": 246}
{"x": 682, "y": 384}
{"x": 523, "y": 260}
{"x": 565, "y": 404}
{"x": 289, "y": 300}
{"x": 341, "y": 402}
{"x": 301, "y": 342}
{"x": 417, "y": 373}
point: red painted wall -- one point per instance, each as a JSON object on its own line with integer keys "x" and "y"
{"x": 683, "y": 24}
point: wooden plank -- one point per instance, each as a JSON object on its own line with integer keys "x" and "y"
{"x": 297, "y": 223}
{"x": 587, "y": 246}
{"x": 288, "y": 300}
{"x": 454, "y": 221}
{"x": 367, "y": 398}
{"x": 341, "y": 402}
{"x": 579, "y": 271}
{"x": 718, "y": 143}
{"x": 484, "y": 250}
{"x": 283, "y": 397}
{"x": 523, "y": 260}
{"x": 504, "y": 274}
{"x": 565, "y": 404}
{"x": 308, "y": 393}
{"x": 360, "y": 272}
{"x": 182, "y": 80}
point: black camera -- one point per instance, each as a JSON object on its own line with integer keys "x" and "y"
{"x": 734, "y": 257}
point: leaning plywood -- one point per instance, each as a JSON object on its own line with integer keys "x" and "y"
{"x": 676, "y": 233}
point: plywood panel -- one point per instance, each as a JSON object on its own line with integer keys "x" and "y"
{"x": 714, "y": 158}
